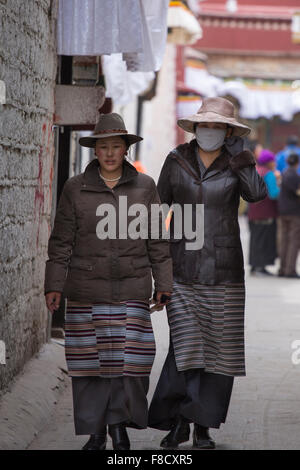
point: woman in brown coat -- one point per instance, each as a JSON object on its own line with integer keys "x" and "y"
{"x": 105, "y": 275}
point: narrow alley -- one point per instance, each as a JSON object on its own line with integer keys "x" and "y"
{"x": 264, "y": 411}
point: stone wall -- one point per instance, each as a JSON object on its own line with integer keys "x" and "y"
{"x": 28, "y": 68}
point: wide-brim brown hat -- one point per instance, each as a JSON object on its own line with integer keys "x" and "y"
{"x": 109, "y": 125}
{"x": 215, "y": 110}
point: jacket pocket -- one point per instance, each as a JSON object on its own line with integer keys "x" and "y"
{"x": 98, "y": 268}
{"x": 228, "y": 252}
{"x": 81, "y": 264}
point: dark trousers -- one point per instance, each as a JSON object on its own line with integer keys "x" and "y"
{"x": 200, "y": 397}
{"x": 98, "y": 402}
{"x": 262, "y": 249}
{"x": 290, "y": 243}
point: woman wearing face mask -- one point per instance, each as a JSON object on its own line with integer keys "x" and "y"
{"x": 206, "y": 312}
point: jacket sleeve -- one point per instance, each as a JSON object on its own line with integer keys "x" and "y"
{"x": 60, "y": 243}
{"x": 251, "y": 185}
{"x": 164, "y": 182}
{"x": 159, "y": 248}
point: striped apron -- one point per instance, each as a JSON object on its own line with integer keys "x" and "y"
{"x": 109, "y": 340}
{"x": 207, "y": 327}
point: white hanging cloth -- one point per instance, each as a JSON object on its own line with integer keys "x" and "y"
{"x": 154, "y": 27}
{"x": 137, "y": 28}
{"x": 96, "y": 27}
{"x": 121, "y": 84}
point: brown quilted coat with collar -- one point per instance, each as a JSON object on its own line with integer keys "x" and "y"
{"x": 89, "y": 269}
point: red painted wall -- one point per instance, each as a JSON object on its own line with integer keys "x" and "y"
{"x": 256, "y": 40}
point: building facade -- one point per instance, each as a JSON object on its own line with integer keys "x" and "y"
{"x": 252, "y": 48}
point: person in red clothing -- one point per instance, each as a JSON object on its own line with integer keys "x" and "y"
{"x": 262, "y": 217}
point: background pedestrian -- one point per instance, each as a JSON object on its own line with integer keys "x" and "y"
{"x": 292, "y": 146}
{"x": 289, "y": 210}
{"x": 262, "y": 218}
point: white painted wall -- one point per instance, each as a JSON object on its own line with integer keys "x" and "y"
{"x": 159, "y": 117}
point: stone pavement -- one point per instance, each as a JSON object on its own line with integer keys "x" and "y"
{"x": 265, "y": 405}
{"x": 32, "y": 397}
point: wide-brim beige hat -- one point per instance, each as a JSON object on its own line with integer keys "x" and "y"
{"x": 215, "y": 110}
{"x": 109, "y": 125}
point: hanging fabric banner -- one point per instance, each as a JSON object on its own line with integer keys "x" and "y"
{"x": 136, "y": 28}
{"x": 93, "y": 27}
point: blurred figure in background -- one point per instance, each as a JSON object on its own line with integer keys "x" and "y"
{"x": 289, "y": 211}
{"x": 292, "y": 146}
{"x": 262, "y": 218}
{"x": 254, "y": 146}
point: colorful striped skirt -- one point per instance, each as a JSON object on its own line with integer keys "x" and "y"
{"x": 207, "y": 327}
{"x": 109, "y": 340}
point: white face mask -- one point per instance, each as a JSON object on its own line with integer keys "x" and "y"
{"x": 210, "y": 139}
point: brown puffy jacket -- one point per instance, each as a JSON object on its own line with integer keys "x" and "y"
{"x": 89, "y": 269}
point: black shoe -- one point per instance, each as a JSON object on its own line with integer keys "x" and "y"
{"x": 179, "y": 433}
{"x": 119, "y": 436}
{"x": 201, "y": 438}
{"x": 96, "y": 441}
{"x": 293, "y": 276}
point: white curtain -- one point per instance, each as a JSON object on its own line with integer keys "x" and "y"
{"x": 137, "y": 28}
{"x": 95, "y": 27}
{"x": 121, "y": 84}
{"x": 154, "y": 22}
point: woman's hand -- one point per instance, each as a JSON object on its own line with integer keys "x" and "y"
{"x": 53, "y": 300}
{"x": 160, "y": 301}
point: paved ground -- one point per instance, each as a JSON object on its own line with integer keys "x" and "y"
{"x": 265, "y": 405}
